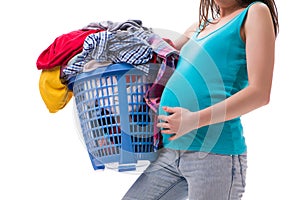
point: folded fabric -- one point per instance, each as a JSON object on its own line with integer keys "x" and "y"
{"x": 54, "y": 94}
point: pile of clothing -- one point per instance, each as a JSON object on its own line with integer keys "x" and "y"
{"x": 100, "y": 44}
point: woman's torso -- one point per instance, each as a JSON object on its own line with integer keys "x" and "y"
{"x": 212, "y": 67}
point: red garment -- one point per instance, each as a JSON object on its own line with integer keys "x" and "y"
{"x": 63, "y": 49}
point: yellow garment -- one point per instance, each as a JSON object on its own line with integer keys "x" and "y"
{"x": 55, "y": 94}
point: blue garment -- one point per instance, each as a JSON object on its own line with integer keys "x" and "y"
{"x": 210, "y": 69}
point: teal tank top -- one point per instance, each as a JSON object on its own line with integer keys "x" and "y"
{"x": 209, "y": 70}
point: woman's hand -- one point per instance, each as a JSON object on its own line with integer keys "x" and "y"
{"x": 179, "y": 122}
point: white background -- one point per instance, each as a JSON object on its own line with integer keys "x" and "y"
{"x": 41, "y": 154}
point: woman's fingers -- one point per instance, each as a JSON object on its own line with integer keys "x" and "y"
{"x": 163, "y": 118}
{"x": 170, "y": 109}
{"x": 163, "y": 125}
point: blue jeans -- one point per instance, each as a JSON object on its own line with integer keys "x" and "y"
{"x": 179, "y": 175}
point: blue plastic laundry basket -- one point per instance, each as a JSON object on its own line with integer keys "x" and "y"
{"x": 116, "y": 123}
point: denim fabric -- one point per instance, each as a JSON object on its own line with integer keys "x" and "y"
{"x": 179, "y": 175}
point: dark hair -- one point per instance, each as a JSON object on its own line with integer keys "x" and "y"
{"x": 210, "y": 10}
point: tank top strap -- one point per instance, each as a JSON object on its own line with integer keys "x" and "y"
{"x": 243, "y": 14}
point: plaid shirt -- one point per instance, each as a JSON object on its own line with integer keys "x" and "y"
{"x": 119, "y": 46}
{"x": 168, "y": 56}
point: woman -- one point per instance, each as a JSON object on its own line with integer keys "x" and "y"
{"x": 224, "y": 71}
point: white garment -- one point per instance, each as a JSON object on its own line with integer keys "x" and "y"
{"x": 94, "y": 64}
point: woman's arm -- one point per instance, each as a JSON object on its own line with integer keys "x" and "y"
{"x": 182, "y": 39}
{"x": 260, "y": 46}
